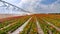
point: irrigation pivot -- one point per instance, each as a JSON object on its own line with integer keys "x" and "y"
{"x": 8, "y": 5}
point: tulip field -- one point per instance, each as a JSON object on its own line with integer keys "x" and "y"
{"x": 31, "y": 28}
{"x": 48, "y": 23}
{"x": 11, "y": 25}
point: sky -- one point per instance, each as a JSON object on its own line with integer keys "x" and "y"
{"x": 47, "y": 2}
{"x": 36, "y": 6}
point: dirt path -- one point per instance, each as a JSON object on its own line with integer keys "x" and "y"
{"x": 22, "y": 27}
{"x": 49, "y": 31}
{"x": 40, "y": 31}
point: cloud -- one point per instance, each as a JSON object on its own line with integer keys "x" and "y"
{"x": 3, "y": 10}
{"x": 35, "y": 6}
{"x": 28, "y": 5}
{"x": 13, "y": 1}
{"x": 9, "y": 11}
{"x": 52, "y": 8}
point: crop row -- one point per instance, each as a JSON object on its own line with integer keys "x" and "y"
{"x": 5, "y": 23}
{"x": 53, "y": 21}
{"x": 47, "y": 28}
{"x": 31, "y": 28}
{"x": 13, "y": 26}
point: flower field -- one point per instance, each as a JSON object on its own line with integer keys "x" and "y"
{"x": 46, "y": 22}
{"x": 12, "y": 25}
{"x": 31, "y": 28}
{"x": 49, "y": 23}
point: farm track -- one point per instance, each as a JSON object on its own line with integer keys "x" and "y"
{"x": 40, "y": 31}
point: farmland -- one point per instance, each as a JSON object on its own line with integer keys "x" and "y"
{"x": 48, "y": 24}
